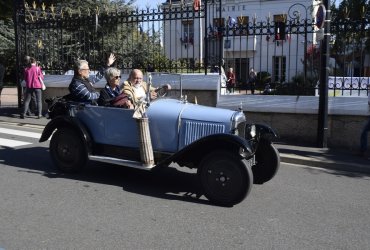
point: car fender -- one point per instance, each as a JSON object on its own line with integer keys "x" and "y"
{"x": 195, "y": 151}
{"x": 67, "y": 121}
{"x": 260, "y": 131}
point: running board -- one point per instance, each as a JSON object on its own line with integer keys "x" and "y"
{"x": 121, "y": 162}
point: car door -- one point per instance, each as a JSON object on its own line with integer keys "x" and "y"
{"x": 110, "y": 125}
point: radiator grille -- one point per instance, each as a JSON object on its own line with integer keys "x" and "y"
{"x": 197, "y": 130}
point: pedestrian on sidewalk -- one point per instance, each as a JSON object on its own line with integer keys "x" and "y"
{"x": 364, "y": 133}
{"x": 230, "y": 84}
{"x": 252, "y": 80}
{"x": 32, "y": 108}
{"x": 32, "y": 75}
{"x": 2, "y": 73}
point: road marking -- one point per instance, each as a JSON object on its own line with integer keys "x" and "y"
{"x": 20, "y": 133}
{"x": 12, "y": 143}
{"x": 23, "y": 125}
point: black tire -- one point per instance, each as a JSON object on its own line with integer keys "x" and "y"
{"x": 268, "y": 162}
{"x": 225, "y": 177}
{"x": 68, "y": 151}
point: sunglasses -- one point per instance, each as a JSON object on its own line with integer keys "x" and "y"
{"x": 117, "y": 77}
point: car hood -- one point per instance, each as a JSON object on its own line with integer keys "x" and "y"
{"x": 175, "y": 124}
{"x": 189, "y": 111}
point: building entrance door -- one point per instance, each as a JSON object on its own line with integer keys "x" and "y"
{"x": 241, "y": 70}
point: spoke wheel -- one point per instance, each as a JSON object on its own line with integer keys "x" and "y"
{"x": 225, "y": 177}
{"x": 67, "y": 150}
{"x": 268, "y": 162}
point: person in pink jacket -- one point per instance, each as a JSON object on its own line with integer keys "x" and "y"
{"x": 32, "y": 73}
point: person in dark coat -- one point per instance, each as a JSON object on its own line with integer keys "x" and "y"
{"x": 252, "y": 80}
{"x": 108, "y": 95}
{"x": 81, "y": 87}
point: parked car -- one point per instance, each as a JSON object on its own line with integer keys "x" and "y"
{"x": 229, "y": 153}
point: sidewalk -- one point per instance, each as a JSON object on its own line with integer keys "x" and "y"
{"x": 9, "y": 97}
{"x": 328, "y": 158}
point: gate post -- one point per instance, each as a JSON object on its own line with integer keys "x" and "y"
{"x": 206, "y": 54}
{"x": 18, "y": 6}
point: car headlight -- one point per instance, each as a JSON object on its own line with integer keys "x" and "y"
{"x": 252, "y": 131}
{"x": 237, "y": 123}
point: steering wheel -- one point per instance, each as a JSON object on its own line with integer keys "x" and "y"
{"x": 163, "y": 90}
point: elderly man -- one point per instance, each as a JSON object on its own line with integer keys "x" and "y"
{"x": 136, "y": 88}
{"x": 81, "y": 87}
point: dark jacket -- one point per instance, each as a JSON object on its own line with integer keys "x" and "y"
{"x": 107, "y": 95}
{"x": 82, "y": 90}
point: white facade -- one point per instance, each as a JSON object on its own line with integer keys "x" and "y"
{"x": 184, "y": 39}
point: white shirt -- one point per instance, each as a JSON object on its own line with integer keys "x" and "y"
{"x": 139, "y": 92}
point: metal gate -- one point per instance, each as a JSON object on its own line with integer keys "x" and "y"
{"x": 181, "y": 37}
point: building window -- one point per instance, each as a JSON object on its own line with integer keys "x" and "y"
{"x": 280, "y": 25}
{"x": 188, "y": 31}
{"x": 279, "y": 63}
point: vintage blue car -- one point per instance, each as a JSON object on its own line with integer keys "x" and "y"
{"x": 229, "y": 153}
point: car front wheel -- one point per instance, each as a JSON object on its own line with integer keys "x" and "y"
{"x": 225, "y": 177}
{"x": 67, "y": 150}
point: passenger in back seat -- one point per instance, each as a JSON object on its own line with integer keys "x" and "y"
{"x": 81, "y": 87}
{"x": 110, "y": 94}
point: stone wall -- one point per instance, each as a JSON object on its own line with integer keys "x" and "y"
{"x": 199, "y": 88}
{"x": 294, "y": 118}
{"x": 202, "y": 97}
{"x": 301, "y": 129}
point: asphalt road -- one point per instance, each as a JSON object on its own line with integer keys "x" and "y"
{"x": 110, "y": 207}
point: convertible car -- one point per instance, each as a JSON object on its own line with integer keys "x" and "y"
{"x": 229, "y": 153}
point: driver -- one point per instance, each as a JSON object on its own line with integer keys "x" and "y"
{"x": 136, "y": 88}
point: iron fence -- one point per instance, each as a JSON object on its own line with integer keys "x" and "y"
{"x": 283, "y": 49}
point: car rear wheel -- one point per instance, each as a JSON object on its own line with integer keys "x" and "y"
{"x": 68, "y": 151}
{"x": 268, "y": 162}
{"x": 225, "y": 177}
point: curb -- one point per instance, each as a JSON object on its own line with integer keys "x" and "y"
{"x": 325, "y": 163}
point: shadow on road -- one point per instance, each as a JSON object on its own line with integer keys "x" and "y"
{"x": 10, "y": 111}
{"x": 165, "y": 183}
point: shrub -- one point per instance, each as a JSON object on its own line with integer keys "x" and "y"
{"x": 263, "y": 77}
